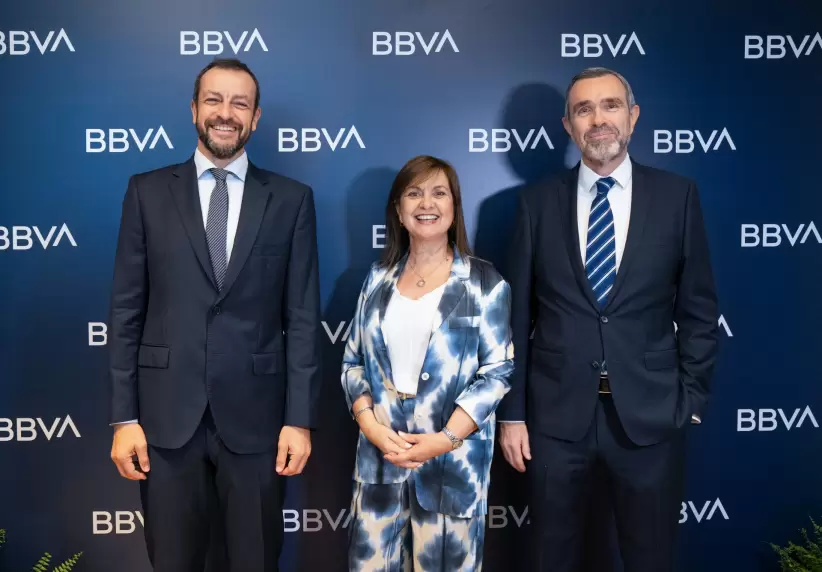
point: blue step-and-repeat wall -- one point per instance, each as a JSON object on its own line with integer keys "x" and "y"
{"x": 93, "y": 91}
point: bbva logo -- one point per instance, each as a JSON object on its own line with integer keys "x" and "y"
{"x": 18, "y": 42}
{"x": 378, "y": 235}
{"x": 308, "y": 140}
{"x": 213, "y": 42}
{"x": 682, "y": 140}
{"x": 26, "y": 428}
{"x": 773, "y": 47}
{"x": 770, "y": 235}
{"x": 20, "y": 238}
{"x": 120, "y": 140}
{"x": 707, "y": 512}
{"x": 592, "y": 45}
{"x": 769, "y": 419}
{"x": 405, "y": 43}
{"x": 118, "y": 522}
{"x": 97, "y": 333}
{"x": 341, "y": 332}
{"x": 501, "y": 140}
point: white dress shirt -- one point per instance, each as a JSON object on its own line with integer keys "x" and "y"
{"x": 620, "y": 199}
{"x": 206, "y": 182}
{"x": 407, "y": 330}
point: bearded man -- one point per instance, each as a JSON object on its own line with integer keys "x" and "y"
{"x": 214, "y": 358}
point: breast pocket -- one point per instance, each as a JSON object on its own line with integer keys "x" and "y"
{"x": 463, "y": 322}
{"x": 465, "y": 476}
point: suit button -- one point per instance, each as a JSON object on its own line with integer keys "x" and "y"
{"x": 425, "y": 376}
{"x": 217, "y": 309}
{"x": 603, "y": 319}
{"x": 595, "y": 364}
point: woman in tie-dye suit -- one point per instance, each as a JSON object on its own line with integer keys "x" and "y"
{"x": 425, "y": 367}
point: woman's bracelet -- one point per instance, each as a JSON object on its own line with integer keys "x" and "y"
{"x": 361, "y": 411}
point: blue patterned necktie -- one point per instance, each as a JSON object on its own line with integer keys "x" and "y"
{"x": 217, "y": 226}
{"x": 600, "y": 252}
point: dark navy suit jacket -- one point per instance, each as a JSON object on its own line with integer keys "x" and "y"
{"x": 658, "y": 377}
{"x": 177, "y": 343}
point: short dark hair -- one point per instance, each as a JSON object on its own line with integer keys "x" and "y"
{"x": 227, "y": 64}
{"x": 419, "y": 169}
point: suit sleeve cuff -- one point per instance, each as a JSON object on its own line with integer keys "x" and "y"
{"x": 501, "y": 421}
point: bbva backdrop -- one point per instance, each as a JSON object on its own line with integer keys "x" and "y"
{"x": 95, "y": 91}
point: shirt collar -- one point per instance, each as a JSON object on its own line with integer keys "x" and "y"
{"x": 588, "y": 178}
{"x": 238, "y": 167}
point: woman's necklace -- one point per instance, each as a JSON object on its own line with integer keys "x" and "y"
{"x": 421, "y": 281}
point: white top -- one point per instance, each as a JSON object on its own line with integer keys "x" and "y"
{"x": 619, "y": 198}
{"x": 407, "y": 331}
{"x": 235, "y": 183}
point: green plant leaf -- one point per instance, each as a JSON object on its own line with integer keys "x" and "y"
{"x": 806, "y": 557}
{"x": 69, "y": 564}
{"x": 42, "y": 564}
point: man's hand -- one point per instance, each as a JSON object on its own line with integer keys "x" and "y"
{"x": 513, "y": 438}
{"x": 293, "y": 450}
{"x": 130, "y": 440}
{"x": 424, "y": 446}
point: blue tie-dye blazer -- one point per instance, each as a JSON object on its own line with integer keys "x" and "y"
{"x": 470, "y": 356}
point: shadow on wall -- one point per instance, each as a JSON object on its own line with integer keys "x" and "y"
{"x": 530, "y": 107}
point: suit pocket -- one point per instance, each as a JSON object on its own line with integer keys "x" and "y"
{"x": 267, "y": 364}
{"x": 666, "y": 359}
{"x": 153, "y": 356}
{"x": 464, "y": 477}
{"x": 464, "y": 322}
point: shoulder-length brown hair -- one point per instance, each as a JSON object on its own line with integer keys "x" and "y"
{"x": 413, "y": 172}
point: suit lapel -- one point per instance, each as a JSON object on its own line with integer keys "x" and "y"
{"x": 568, "y": 212}
{"x": 186, "y": 197}
{"x": 641, "y": 198}
{"x": 255, "y": 198}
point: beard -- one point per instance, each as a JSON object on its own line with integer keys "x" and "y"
{"x": 222, "y": 150}
{"x": 603, "y": 151}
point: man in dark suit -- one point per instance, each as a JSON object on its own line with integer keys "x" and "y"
{"x": 214, "y": 338}
{"x": 606, "y": 259}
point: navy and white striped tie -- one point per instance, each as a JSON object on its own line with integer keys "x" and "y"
{"x": 217, "y": 226}
{"x": 600, "y": 252}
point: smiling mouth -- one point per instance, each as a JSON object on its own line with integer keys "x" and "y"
{"x": 427, "y": 218}
{"x": 223, "y": 129}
